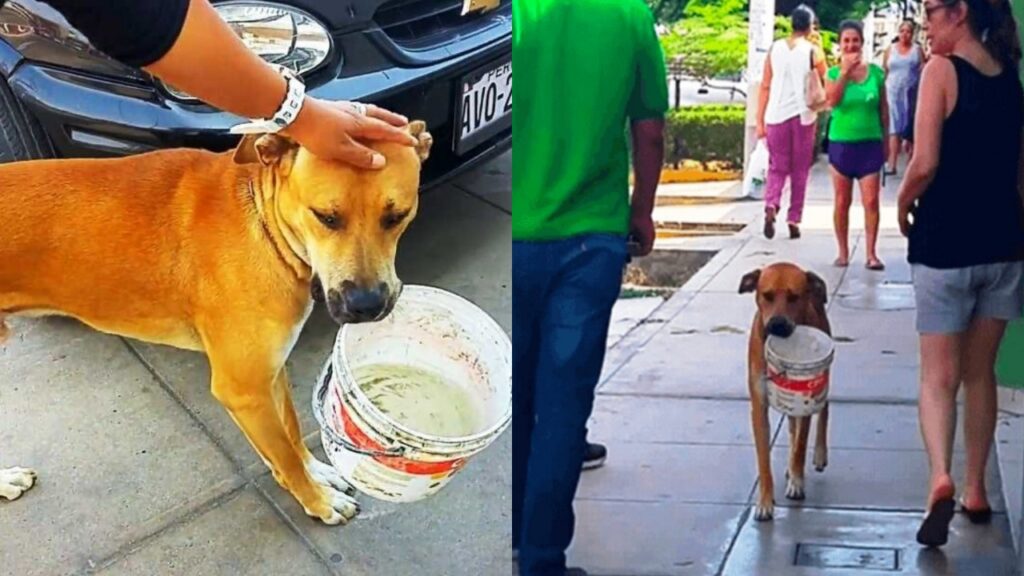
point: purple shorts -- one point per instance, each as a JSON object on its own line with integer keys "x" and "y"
{"x": 855, "y": 160}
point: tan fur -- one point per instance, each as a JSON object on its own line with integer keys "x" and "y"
{"x": 209, "y": 252}
{"x": 787, "y": 291}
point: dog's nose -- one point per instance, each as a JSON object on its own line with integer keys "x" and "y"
{"x": 781, "y": 327}
{"x": 355, "y": 303}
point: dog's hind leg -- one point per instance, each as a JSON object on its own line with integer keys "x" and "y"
{"x": 821, "y": 441}
{"x": 15, "y": 481}
{"x": 799, "y": 429}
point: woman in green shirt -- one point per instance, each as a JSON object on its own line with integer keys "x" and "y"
{"x": 857, "y": 146}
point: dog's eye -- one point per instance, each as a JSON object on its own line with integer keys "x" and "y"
{"x": 769, "y": 296}
{"x": 329, "y": 220}
{"x": 392, "y": 219}
{"x": 792, "y": 298}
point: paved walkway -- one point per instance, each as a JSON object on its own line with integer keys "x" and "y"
{"x": 143, "y": 473}
{"x": 675, "y": 495}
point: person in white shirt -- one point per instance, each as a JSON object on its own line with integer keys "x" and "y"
{"x": 786, "y": 120}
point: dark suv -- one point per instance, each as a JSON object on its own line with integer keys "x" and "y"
{"x": 428, "y": 59}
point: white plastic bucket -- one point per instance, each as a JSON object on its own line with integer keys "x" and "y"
{"x": 431, "y": 330}
{"x": 798, "y": 371}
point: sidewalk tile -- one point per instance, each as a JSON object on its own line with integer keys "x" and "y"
{"x": 872, "y": 479}
{"x": 701, "y": 352}
{"x": 464, "y": 530}
{"x": 673, "y": 420}
{"x": 672, "y": 472}
{"x": 770, "y": 548}
{"x": 813, "y": 252}
{"x": 1010, "y": 449}
{"x": 652, "y": 539}
{"x": 874, "y": 426}
{"x": 492, "y": 182}
{"x": 240, "y": 536}
{"x": 116, "y": 456}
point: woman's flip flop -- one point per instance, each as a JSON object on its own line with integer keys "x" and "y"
{"x": 934, "y": 530}
{"x": 977, "y": 516}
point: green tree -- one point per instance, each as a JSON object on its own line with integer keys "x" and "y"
{"x": 832, "y": 12}
{"x": 710, "y": 40}
{"x": 667, "y": 10}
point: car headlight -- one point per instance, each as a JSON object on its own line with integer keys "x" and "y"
{"x": 278, "y": 34}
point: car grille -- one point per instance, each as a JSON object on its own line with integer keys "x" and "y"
{"x": 426, "y": 24}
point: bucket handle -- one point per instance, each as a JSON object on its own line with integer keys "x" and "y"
{"x": 318, "y": 406}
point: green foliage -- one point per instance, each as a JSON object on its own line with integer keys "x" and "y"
{"x": 705, "y": 133}
{"x": 711, "y": 40}
{"x": 832, "y": 12}
{"x": 667, "y": 10}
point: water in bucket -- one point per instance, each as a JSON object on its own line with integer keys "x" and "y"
{"x": 421, "y": 400}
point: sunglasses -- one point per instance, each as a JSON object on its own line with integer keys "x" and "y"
{"x": 933, "y": 8}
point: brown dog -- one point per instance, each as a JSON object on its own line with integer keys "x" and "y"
{"x": 787, "y": 296}
{"x": 219, "y": 253}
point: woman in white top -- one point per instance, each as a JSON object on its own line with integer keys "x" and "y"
{"x": 784, "y": 118}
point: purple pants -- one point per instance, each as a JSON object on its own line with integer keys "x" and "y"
{"x": 790, "y": 155}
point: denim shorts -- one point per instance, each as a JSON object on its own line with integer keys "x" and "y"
{"x": 948, "y": 299}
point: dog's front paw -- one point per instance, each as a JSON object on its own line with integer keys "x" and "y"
{"x": 338, "y": 507}
{"x": 326, "y": 475}
{"x": 764, "y": 511}
{"x": 820, "y": 458}
{"x": 794, "y": 487}
{"x": 15, "y": 481}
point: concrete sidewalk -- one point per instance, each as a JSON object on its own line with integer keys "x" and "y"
{"x": 675, "y": 495}
{"x": 142, "y": 472}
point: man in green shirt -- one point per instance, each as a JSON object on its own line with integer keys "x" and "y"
{"x": 585, "y": 68}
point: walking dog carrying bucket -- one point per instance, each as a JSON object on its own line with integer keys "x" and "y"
{"x": 797, "y": 377}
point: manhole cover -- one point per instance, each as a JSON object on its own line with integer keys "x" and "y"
{"x": 887, "y": 297}
{"x": 855, "y": 557}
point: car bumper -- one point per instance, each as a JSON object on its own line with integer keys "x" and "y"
{"x": 91, "y": 116}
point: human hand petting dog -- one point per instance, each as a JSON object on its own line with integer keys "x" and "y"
{"x": 331, "y": 130}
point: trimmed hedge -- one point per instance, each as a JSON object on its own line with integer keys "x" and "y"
{"x": 705, "y": 133}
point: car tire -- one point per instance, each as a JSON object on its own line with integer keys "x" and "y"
{"x": 21, "y": 135}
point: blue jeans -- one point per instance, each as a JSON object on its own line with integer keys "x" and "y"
{"x": 562, "y": 297}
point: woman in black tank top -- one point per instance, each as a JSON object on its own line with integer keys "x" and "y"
{"x": 961, "y": 206}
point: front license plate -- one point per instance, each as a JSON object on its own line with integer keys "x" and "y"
{"x": 485, "y": 105}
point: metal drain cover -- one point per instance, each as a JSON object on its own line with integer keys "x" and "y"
{"x": 851, "y": 557}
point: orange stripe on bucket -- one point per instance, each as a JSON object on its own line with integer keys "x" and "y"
{"x": 808, "y": 387}
{"x": 418, "y": 467}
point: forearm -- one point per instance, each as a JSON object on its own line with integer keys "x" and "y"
{"x": 256, "y": 90}
{"x": 835, "y": 91}
{"x": 762, "y": 103}
{"x": 915, "y": 182}
{"x": 648, "y": 158}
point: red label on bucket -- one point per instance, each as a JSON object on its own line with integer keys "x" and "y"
{"x": 360, "y": 439}
{"x": 808, "y": 387}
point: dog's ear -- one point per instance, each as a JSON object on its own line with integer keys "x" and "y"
{"x": 817, "y": 287}
{"x": 749, "y": 281}
{"x": 267, "y": 149}
{"x": 418, "y": 129}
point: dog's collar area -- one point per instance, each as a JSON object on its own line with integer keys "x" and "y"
{"x": 290, "y": 247}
